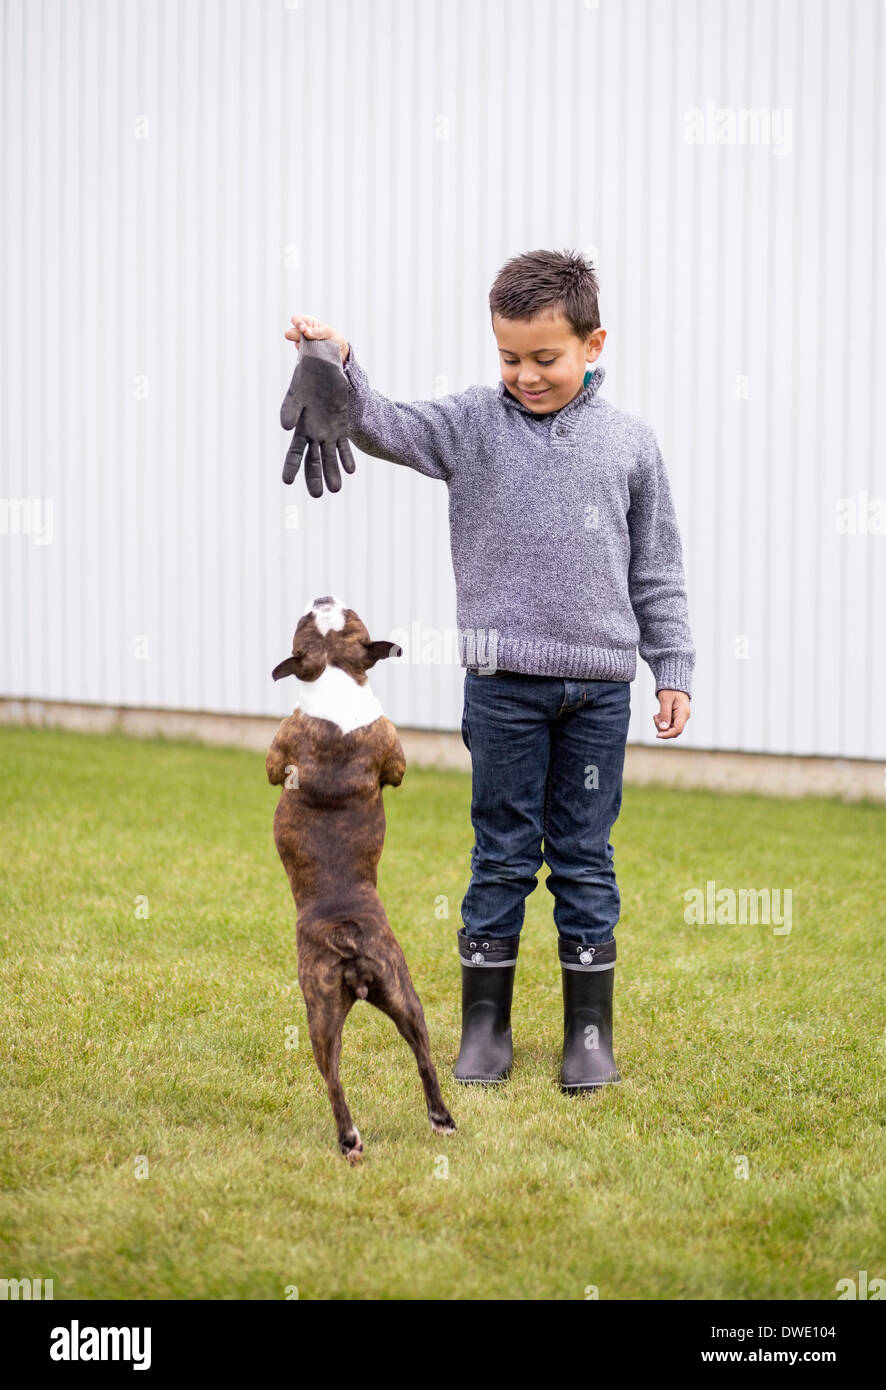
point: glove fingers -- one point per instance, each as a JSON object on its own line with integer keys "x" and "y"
{"x": 290, "y": 410}
{"x": 293, "y": 458}
{"x": 313, "y": 472}
{"x": 347, "y": 458}
{"x": 330, "y": 466}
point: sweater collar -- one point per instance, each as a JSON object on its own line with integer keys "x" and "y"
{"x": 584, "y": 397}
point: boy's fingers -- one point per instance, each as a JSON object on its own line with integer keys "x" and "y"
{"x": 663, "y": 721}
{"x": 665, "y": 706}
{"x": 672, "y": 716}
{"x": 300, "y": 324}
{"x": 307, "y": 326}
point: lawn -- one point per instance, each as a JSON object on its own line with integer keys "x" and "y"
{"x": 148, "y": 968}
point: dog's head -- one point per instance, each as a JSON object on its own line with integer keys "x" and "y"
{"x": 328, "y": 634}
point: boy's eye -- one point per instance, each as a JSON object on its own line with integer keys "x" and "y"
{"x": 541, "y": 363}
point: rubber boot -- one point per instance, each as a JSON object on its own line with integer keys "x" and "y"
{"x": 488, "y": 965}
{"x": 588, "y": 976}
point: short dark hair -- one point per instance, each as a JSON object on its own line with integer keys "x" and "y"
{"x": 528, "y": 285}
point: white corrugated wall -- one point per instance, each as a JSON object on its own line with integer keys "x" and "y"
{"x": 179, "y": 176}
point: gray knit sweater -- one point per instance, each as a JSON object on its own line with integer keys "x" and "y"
{"x": 564, "y": 539}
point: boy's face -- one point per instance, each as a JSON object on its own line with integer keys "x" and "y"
{"x": 542, "y": 361}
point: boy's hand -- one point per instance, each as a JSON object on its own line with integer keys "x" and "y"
{"x": 313, "y": 328}
{"x": 316, "y": 407}
{"x": 673, "y": 711}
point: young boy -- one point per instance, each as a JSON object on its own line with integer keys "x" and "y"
{"x": 566, "y": 554}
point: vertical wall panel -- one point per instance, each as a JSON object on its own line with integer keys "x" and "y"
{"x": 180, "y": 176}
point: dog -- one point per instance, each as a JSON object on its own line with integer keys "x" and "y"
{"x": 332, "y": 757}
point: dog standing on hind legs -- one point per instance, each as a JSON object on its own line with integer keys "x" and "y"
{"x": 332, "y": 757}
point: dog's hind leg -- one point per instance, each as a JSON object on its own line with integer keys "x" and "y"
{"x": 398, "y": 999}
{"x": 327, "y": 1011}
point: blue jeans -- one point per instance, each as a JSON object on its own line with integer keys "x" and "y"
{"x": 547, "y": 756}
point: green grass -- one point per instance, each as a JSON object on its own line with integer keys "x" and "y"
{"x": 165, "y": 1037}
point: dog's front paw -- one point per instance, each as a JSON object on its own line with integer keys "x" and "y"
{"x": 352, "y": 1147}
{"x": 441, "y": 1122}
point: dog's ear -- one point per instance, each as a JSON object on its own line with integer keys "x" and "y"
{"x": 380, "y": 651}
{"x": 308, "y": 661}
{"x": 289, "y": 667}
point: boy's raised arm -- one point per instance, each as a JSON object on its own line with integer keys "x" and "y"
{"x": 427, "y": 435}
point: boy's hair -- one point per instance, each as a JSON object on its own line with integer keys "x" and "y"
{"x": 537, "y": 281}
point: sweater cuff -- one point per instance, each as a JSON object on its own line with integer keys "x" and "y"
{"x": 358, "y": 382}
{"x": 674, "y": 673}
{"x": 352, "y": 369}
{"x": 326, "y": 348}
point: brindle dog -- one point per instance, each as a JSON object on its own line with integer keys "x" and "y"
{"x": 333, "y": 756}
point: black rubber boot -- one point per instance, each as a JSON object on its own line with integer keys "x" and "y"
{"x": 588, "y": 976}
{"x": 488, "y": 965}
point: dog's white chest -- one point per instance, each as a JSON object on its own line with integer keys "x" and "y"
{"x": 336, "y": 696}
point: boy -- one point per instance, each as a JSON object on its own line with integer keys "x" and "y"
{"x": 566, "y": 554}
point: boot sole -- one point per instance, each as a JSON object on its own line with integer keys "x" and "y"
{"x": 482, "y": 1080}
{"x": 590, "y": 1086}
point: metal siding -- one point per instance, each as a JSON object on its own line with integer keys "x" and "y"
{"x": 375, "y": 163}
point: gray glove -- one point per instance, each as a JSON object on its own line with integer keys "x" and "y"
{"x": 316, "y": 407}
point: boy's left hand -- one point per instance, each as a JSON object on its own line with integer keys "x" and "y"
{"x": 673, "y": 711}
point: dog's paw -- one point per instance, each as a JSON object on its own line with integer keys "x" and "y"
{"x": 442, "y": 1122}
{"x": 352, "y": 1147}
